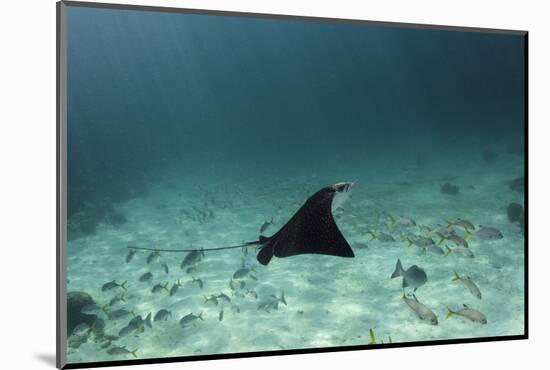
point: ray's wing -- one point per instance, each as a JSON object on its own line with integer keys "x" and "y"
{"x": 311, "y": 230}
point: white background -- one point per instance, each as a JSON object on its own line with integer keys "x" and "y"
{"x": 27, "y": 185}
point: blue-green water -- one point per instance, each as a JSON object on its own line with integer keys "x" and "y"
{"x": 191, "y": 131}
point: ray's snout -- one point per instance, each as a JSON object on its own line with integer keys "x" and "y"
{"x": 343, "y": 187}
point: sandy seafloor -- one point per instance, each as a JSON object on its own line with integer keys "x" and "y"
{"x": 331, "y": 301}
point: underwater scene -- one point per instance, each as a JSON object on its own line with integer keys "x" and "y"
{"x": 240, "y": 184}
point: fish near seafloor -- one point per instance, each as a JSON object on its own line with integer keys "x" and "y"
{"x": 189, "y": 318}
{"x": 121, "y": 351}
{"x": 420, "y": 241}
{"x": 125, "y": 331}
{"x": 175, "y": 287}
{"x": 130, "y": 256}
{"x": 454, "y": 237}
{"x": 198, "y": 281}
{"x": 458, "y": 240}
{"x": 413, "y": 277}
{"x": 138, "y": 324}
{"x": 359, "y": 245}
{"x": 242, "y": 272}
{"x": 488, "y": 233}
{"x": 93, "y": 309}
{"x": 117, "y": 314}
{"x": 224, "y": 296}
{"x": 469, "y": 283}
{"x": 405, "y": 221}
{"x": 162, "y": 315}
{"x": 272, "y": 303}
{"x": 442, "y": 231}
{"x": 113, "y": 284}
{"x": 81, "y": 329}
{"x": 435, "y": 249}
{"x": 467, "y": 225}
{"x": 146, "y": 277}
{"x": 382, "y": 236}
{"x": 265, "y": 225}
{"x": 116, "y": 299}
{"x": 423, "y": 312}
{"x": 311, "y": 229}
{"x": 465, "y": 252}
{"x": 212, "y": 298}
{"x": 192, "y": 258}
{"x": 153, "y": 256}
{"x": 158, "y": 287}
{"x": 468, "y": 313}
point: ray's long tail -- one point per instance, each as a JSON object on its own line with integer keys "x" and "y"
{"x": 247, "y": 244}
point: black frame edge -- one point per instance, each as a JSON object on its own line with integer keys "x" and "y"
{"x": 526, "y": 184}
{"x": 166, "y": 9}
{"x": 58, "y": 363}
{"x": 61, "y": 106}
{"x": 288, "y": 352}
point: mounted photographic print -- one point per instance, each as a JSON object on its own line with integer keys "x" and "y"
{"x": 234, "y": 184}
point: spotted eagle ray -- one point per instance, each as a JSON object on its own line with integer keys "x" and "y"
{"x": 311, "y": 230}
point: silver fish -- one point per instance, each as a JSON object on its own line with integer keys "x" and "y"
{"x": 158, "y": 287}
{"x": 137, "y": 323}
{"x": 224, "y": 297}
{"x": 153, "y": 256}
{"x": 465, "y": 252}
{"x": 212, "y": 298}
{"x": 423, "y": 312}
{"x": 265, "y": 225}
{"x": 444, "y": 231}
{"x": 191, "y": 258}
{"x": 93, "y": 309}
{"x": 405, "y": 221}
{"x": 383, "y": 237}
{"x": 469, "y": 313}
{"x": 162, "y": 315}
{"x": 198, "y": 281}
{"x": 147, "y": 321}
{"x": 116, "y": 314}
{"x": 467, "y": 225}
{"x": 488, "y": 233}
{"x": 81, "y": 329}
{"x": 146, "y": 277}
{"x": 272, "y": 303}
{"x": 434, "y": 249}
{"x": 189, "y": 318}
{"x": 469, "y": 284}
{"x": 113, "y": 284}
{"x": 121, "y": 351}
{"x": 359, "y": 245}
{"x": 175, "y": 288}
{"x": 131, "y": 254}
{"x": 252, "y": 293}
{"x": 117, "y": 299}
{"x": 240, "y": 273}
{"x": 457, "y": 239}
{"x": 420, "y": 241}
{"x": 126, "y": 330}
